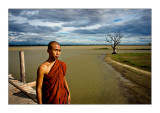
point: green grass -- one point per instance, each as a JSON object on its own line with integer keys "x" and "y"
{"x": 138, "y": 60}
{"x": 140, "y": 91}
{"x": 100, "y": 48}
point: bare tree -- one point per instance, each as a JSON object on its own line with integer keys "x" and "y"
{"x": 114, "y": 39}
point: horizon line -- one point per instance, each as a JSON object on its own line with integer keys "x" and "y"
{"x": 74, "y": 44}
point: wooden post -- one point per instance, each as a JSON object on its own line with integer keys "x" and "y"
{"x": 22, "y": 66}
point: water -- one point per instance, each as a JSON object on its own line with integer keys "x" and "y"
{"x": 90, "y": 79}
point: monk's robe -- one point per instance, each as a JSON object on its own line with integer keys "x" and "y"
{"x": 53, "y": 90}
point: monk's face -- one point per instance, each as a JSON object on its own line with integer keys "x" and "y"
{"x": 55, "y": 52}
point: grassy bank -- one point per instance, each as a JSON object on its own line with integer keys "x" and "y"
{"x": 138, "y": 60}
{"x": 140, "y": 90}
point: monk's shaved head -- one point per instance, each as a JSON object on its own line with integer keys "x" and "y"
{"x": 50, "y": 45}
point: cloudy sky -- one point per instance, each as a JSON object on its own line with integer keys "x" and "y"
{"x": 78, "y": 26}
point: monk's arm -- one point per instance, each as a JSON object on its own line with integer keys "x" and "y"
{"x": 67, "y": 88}
{"x": 39, "y": 82}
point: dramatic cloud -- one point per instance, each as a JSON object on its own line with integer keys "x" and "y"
{"x": 78, "y": 26}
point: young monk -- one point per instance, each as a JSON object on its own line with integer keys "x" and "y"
{"x": 52, "y": 87}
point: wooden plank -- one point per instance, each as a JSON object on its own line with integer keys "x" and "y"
{"x": 15, "y": 96}
{"x": 31, "y": 84}
{"x": 26, "y": 89}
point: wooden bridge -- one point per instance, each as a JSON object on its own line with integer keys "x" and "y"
{"x": 21, "y": 92}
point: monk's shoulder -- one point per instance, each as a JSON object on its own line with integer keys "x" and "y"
{"x": 63, "y": 63}
{"x": 42, "y": 67}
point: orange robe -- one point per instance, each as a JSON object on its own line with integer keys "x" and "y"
{"x": 53, "y": 90}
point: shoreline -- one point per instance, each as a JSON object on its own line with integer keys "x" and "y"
{"x": 136, "y": 92}
{"x": 120, "y": 47}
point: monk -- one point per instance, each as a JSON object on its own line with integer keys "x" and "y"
{"x": 51, "y": 85}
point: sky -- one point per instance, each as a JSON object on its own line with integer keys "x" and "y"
{"x": 78, "y": 26}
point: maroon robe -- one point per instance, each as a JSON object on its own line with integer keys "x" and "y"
{"x": 53, "y": 90}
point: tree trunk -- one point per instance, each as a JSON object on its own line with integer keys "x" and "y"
{"x": 114, "y": 50}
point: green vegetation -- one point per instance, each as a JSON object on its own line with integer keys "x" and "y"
{"x": 138, "y": 60}
{"x": 140, "y": 90}
{"x": 136, "y": 49}
{"x": 100, "y": 48}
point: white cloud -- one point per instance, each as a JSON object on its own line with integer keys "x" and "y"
{"x": 29, "y": 13}
{"x": 36, "y": 22}
{"x": 79, "y": 41}
{"x": 41, "y": 23}
{"x": 17, "y": 19}
{"x": 90, "y": 27}
{"x": 69, "y": 29}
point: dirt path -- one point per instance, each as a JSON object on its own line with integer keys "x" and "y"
{"x": 135, "y": 83}
{"x": 130, "y": 67}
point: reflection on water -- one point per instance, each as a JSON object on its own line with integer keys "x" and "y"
{"x": 90, "y": 79}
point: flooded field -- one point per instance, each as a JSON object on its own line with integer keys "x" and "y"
{"x": 90, "y": 79}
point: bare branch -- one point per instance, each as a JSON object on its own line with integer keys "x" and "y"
{"x": 110, "y": 41}
{"x": 115, "y": 38}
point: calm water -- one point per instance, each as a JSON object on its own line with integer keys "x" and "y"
{"x": 90, "y": 79}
